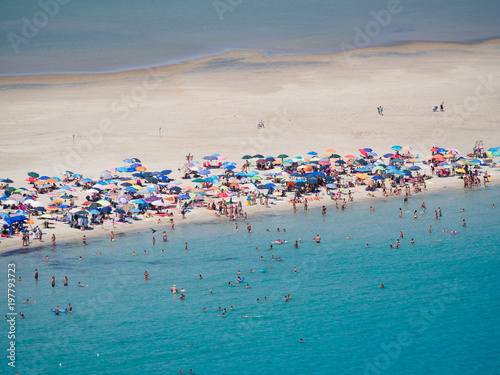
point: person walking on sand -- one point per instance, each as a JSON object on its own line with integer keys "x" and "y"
{"x": 441, "y": 107}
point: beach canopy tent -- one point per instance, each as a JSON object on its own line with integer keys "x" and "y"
{"x": 11, "y": 221}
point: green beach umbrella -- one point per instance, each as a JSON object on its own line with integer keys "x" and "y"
{"x": 198, "y": 180}
{"x": 33, "y": 174}
{"x": 282, "y": 156}
{"x": 247, "y": 157}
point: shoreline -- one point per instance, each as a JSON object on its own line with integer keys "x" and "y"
{"x": 228, "y": 52}
{"x": 71, "y": 236}
{"x": 213, "y": 105}
{"x": 261, "y": 56}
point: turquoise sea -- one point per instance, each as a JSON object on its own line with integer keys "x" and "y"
{"x": 438, "y": 312}
{"x": 77, "y": 36}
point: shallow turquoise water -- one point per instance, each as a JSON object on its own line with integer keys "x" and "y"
{"x": 441, "y": 297}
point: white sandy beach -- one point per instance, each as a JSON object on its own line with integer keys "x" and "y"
{"x": 213, "y": 105}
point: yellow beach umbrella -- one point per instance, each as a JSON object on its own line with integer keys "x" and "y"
{"x": 460, "y": 170}
{"x": 103, "y": 202}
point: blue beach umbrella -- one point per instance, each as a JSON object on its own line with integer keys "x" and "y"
{"x": 396, "y": 148}
{"x": 377, "y": 178}
{"x": 416, "y": 167}
{"x": 183, "y": 196}
{"x": 204, "y": 172}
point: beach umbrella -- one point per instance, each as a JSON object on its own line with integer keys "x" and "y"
{"x": 282, "y": 156}
{"x": 441, "y": 150}
{"x": 460, "y": 170}
{"x": 331, "y": 186}
{"x": 120, "y": 211}
{"x": 94, "y": 212}
{"x": 415, "y": 168}
{"x": 363, "y": 152}
{"x": 204, "y": 172}
{"x": 33, "y": 174}
{"x": 350, "y": 156}
{"x": 396, "y": 148}
{"x": 377, "y": 178}
{"x": 312, "y": 153}
{"x": 105, "y": 209}
{"x": 247, "y": 157}
{"x": 330, "y": 151}
{"x": 7, "y": 180}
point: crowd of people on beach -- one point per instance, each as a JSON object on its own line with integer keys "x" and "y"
{"x": 112, "y": 200}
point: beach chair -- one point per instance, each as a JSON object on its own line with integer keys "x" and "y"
{"x": 435, "y": 109}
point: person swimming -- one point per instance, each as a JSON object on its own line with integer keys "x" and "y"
{"x": 174, "y": 289}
